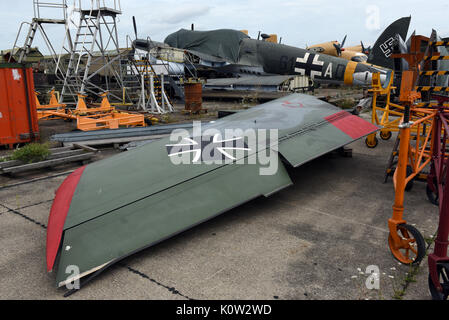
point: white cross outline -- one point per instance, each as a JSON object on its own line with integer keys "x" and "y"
{"x": 199, "y": 151}
{"x": 315, "y": 61}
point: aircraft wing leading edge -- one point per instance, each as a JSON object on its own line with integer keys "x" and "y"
{"x": 113, "y": 208}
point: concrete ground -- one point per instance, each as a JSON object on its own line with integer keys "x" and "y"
{"x": 312, "y": 240}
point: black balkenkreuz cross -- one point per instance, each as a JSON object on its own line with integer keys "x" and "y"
{"x": 309, "y": 65}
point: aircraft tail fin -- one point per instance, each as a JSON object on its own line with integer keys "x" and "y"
{"x": 382, "y": 49}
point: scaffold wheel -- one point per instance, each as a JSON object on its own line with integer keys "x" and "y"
{"x": 385, "y": 135}
{"x": 411, "y": 249}
{"x": 371, "y": 143}
{"x": 443, "y": 276}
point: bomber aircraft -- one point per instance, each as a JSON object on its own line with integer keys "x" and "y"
{"x": 232, "y": 53}
{"x": 361, "y": 53}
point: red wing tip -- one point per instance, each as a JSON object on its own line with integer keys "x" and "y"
{"x": 58, "y": 215}
{"x": 352, "y": 125}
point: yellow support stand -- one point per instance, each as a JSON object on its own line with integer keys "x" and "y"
{"x": 388, "y": 116}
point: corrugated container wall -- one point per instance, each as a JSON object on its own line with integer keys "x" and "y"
{"x": 18, "y": 116}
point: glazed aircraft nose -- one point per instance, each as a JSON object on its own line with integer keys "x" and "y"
{"x": 362, "y": 74}
{"x": 365, "y": 78}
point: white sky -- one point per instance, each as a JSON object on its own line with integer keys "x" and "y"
{"x": 298, "y": 22}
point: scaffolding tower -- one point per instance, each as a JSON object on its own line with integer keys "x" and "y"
{"x": 96, "y": 44}
{"x": 90, "y": 61}
{"x": 59, "y": 16}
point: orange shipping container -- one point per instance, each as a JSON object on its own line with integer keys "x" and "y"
{"x": 18, "y": 116}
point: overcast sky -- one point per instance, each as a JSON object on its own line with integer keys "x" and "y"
{"x": 298, "y": 22}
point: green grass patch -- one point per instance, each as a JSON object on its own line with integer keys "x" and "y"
{"x": 31, "y": 153}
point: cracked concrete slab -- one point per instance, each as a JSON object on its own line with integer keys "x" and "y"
{"x": 37, "y": 214}
{"x": 29, "y": 194}
{"x": 313, "y": 240}
{"x": 3, "y": 209}
{"x": 23, "y": 270}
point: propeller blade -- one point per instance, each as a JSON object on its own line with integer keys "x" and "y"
{"x": 135, "y": 26}
{"x": 338, "y": 48}
{"x": 342, "y": 45}
{"x": 363, "y": 47}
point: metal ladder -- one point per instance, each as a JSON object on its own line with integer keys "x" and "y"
{"x": 93, "y": 22}
{"x": 37, "y": 24}
{"x": 86, "y": 35}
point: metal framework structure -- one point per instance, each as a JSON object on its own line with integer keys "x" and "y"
{"x": 438, "y": 193}
{"x": 150, "y": 79}
{"x": 428, "y": 120}
{"x": 96, "y": 43}
{"x": 59, "y": 10}
{"x": 153, "y": 97}
{"x": 90, "y": 61}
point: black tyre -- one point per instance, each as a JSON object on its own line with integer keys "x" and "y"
{"x": 372, "y": 145}
{"x": 410, "y": 184}
{"x": 433, "y": 196}
{"x": 409, "y": 255}
{"x": 443, "y": 274}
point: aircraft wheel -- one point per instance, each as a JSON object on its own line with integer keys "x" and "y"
{"x": 385, "y": 135}
{"x": 433, "y": 195}
{"x": 412, "y": 248}
{"x": 443, "y": 275}
{"x": 371, "y": 143}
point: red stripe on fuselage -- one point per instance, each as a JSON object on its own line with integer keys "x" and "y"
{"x": 58, "y": 215}
{"x": 353, "y": 126}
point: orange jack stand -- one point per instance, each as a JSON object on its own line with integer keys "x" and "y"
{"x": 82, "y": 109}
{"x": 110, "y": 121}
{"x": 54, "y": 110}
{"x": 405, "y": 241}
{"x": 104, "y": 117}
{"x": 54, "y": 104}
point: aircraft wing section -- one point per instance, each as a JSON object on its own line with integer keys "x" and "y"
{"x": 333, "y": 132}
{"x": 113, "y": 208}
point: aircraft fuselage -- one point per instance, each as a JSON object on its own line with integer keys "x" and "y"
{"x": 287, "y": 60}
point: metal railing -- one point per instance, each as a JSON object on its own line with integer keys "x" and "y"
{"x": 47, "y": 4}
{"x": 97, "y": 4}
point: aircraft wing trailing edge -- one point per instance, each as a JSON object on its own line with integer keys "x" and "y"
{"x": 118, "y": 206}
